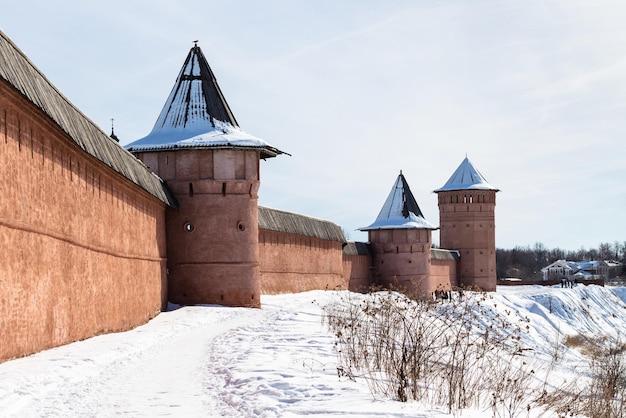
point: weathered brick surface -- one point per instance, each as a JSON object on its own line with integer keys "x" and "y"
{"x": 297, "y": 263}
{"x": 212, "y": 239}
{"x": 467, "y": 222}
{"x": 356, "y": 271}
{"x": 443, "y": 274}
{"x": 83, "y": 249}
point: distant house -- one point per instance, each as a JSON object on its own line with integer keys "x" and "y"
{"x": 581, "y": 270}
{"x": 560, "y": 269}
{"x": 615, "y": 268}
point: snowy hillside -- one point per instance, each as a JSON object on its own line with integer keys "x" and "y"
{"x": 278, "y": 361}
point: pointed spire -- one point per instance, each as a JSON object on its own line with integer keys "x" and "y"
{"x": 400, "y": 210}
{"x": 466, "y": 177}
{"x": 197, "y": 115}
{"x": 196, "y": 101}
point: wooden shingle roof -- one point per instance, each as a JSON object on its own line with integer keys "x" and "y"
{"x": 195, "y": 96}
{"x": 356, "y": 248}
{"x": 441, "y": 254}
{"x": 17, "y": 70}
{"x": 292, "y": 223}
{"x": 196, "y": 115}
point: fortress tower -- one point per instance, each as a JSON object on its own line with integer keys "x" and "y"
{"x": 467, "y": 224}
{"x": 212, "y": 167}
{"x": 401, "y": 242}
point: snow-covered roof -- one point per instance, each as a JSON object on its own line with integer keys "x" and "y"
{"x": 560, "y": 264}
{"x": 400, "y": 210}
{"x": 588, "y": 265}
{"x": 466, "y": 177}
{"x": 196, "y": 115}
{"x": 577, "y": 266}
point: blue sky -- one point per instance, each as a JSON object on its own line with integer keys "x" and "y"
{"x": 534, "y": 92}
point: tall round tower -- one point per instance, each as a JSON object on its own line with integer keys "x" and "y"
{"x": 212, "y": 168}
{"x": 401, "y": 241}
{"x": 467, "y": 224}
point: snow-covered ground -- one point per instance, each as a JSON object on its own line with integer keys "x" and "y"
{"x": 278, "y": 361}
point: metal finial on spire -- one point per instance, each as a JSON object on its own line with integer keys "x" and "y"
{"x": 195, "y": 43}
{"x": 113, "y": 136}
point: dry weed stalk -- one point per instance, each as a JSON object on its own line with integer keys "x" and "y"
{"x": 460, "y": 353}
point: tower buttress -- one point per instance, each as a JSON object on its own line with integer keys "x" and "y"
{"x": 467, "y": 224}
{"x": 212, "y": 168}
{"x": 401, "y": 242}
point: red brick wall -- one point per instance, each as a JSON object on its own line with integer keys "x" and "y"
{"x": 550, "y": 282}
{"x": 356, "y": 270}
{"x": 83, "y": 249}
{"x": 297, "y": 263}
{"x": 443, "y": 274}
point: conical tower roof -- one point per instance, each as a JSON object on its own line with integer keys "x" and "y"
{"x": 466, "y": 177}
{"x": 400, "y": 210}
{"x": 196, "y": 115}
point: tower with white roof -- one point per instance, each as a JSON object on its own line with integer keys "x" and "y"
{"x": 401, "y": 240}
{"x": 212, "y": 167}
{"x": 467, "y": 224}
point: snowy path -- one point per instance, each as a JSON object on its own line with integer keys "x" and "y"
{"x": 167, "y": 377}
{"x": 279, "y": 361}
{"x": 156, "y": 369}
{"x": 195, "y": 362}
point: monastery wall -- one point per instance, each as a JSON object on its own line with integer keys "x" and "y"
{"x": 83, "y": 248}
{"x": 357, "y": 266}
{"x": 443, "y": 269}
{"x": 356, "y": 270}
{"x": 298, "y": 263}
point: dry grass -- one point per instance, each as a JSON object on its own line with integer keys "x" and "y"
{"x": 463, "y": 354}
{"x": 460, "y": 353}
{"x": 585, "y": 345}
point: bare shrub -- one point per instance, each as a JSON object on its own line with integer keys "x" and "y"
{"x": 565, "y": 399}
{"x": 509, "y": 386}
{"x": 601, "y": 391}
{"x": 607, "y": 391}
{"x": 460, "y": 353}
